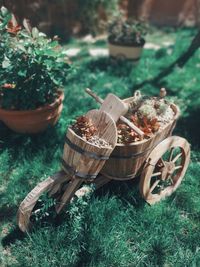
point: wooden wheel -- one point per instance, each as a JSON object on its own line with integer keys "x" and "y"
{"x": 60, "y": 185}
{"x": 51, "y": 185}
{"x": 164, "y": 169}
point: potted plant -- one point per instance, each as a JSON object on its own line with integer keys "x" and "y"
{"x": 126, "y": 38}
{"x": 32, "y": 70}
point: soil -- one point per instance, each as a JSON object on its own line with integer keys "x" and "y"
{"x": 97, "y": 141}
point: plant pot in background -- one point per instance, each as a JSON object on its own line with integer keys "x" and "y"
{"x": 32, "y": 71}
{"x": 33, "y": 121}
{"x": 126, "y": 38}
{"x": 123, "y": 51}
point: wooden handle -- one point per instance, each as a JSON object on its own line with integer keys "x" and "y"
{"x": 132, "y": 126}
{"x": 122, "y": 118}
{"x": 92, "y": 94}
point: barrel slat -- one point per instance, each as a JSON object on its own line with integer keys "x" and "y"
{"x": 83, "y": 158}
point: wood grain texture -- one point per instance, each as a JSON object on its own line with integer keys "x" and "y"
{"x": 114, "y": 106}
{"x": 169, "y": 167}
{"x": 74, "y": 188}
{"x": 122, "y": 118}
{"x": 127, "y": 161}
{"x": 106, "y": 127}
{"x": 27, "y": 205}
{"x": 68, "y": 194}
{"x": 83, "y": 163}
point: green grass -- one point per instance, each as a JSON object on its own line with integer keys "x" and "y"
{"x": 114, "y": 227}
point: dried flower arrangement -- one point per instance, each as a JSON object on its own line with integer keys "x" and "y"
{"x": 85, "y": 128}
{"x": 150, "y": 114}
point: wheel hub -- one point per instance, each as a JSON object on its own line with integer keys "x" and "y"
{"x": 167, "y": 170}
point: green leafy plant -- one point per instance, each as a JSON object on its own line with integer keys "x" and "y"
{"x": 127, "y": 31}
{"x": 94, "y": 13}
{"x": 32, "y": 67}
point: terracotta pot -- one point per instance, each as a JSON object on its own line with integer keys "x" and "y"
{"x": 122, "y": 51}
{"x": 33, "y": 121}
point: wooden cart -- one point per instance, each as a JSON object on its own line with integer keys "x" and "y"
{"x": 161, "y": 162}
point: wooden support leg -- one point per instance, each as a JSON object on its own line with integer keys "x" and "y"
{"x": 27, "y": 205}
{"x": 68, "y": 194}
{"x": 73, "y": 189}
{"x": 58, "y": 185}
{"x": 52, "y": 185}
{"x": 100, "y": 181}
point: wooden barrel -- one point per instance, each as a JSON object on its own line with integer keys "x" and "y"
{"x": 83, "y": 159}
{"x": 126, "y": 161}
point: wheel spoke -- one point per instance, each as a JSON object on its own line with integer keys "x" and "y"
{"x": 156, "y": 174}
{"x": 171, "y": 154}
{"x": 171, "y": 180}
{"x": 154, "y": 186}
{"x": 177, "y": 157}
{"x": 178, "y": 167}
{"x": 168, "y": 162}
{"x": 163, "y": 162}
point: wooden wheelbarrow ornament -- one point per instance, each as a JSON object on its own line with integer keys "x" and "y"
{"x": 82, "y": 161}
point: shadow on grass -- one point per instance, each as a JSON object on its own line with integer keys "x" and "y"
{"x": 16, "y": 234}
{"x": 119, "y": 68}
{"x": 12, "y": 237}
{"x": 158, "y": 251}
{"x": 29, "y": 144}
{"x": 182, "y": 200}
{"x": 48, "y": 216}
{"x": 127, "y": 191}
{"x": 189, "y": 128}
{"x": 7, "y": 213}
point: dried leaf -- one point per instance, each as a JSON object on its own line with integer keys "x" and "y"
{"x": 27, "y": 25}
{"x": 128, "y": 135}
{"x": 84, "y": 127}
